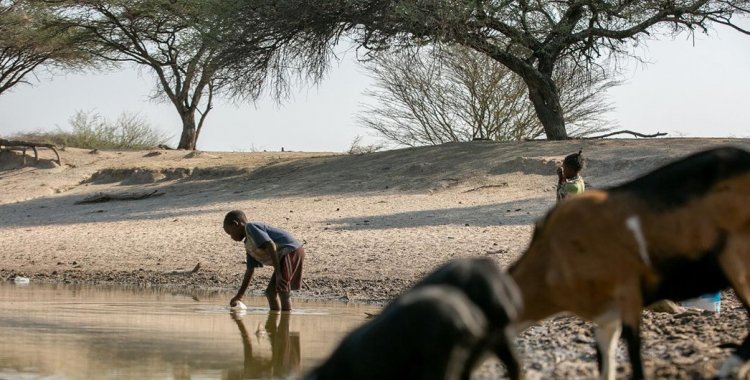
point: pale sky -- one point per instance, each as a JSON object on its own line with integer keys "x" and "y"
{"x": 699, "y": 88}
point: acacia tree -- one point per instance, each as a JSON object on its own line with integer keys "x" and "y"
{"x": 452, "y": 93}
{"x": 174, "y": 40}
{"x": 530, "y": 38}
{"x": 28, "y": 44}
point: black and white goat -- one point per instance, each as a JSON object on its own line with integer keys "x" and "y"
{"x": 428, "y": 333}
{"x": 439, "y": 329}
{"x": 496, "y": 295}
{"x": 676, "y": 233}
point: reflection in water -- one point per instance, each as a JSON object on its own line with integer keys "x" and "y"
{"x": 76, "y": 332}
{"x": 285, "y": 349}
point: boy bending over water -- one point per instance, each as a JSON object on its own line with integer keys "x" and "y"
{"x": 267, "y": 245}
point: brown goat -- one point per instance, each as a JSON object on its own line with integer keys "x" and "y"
{"x": 676, "y": 233}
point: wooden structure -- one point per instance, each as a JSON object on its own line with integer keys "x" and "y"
{"x": 23, "y": 146}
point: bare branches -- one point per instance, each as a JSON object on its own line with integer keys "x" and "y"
{"x": 728, "y": 22}
{"x": 635, "y": 134}
{"x": 451, "y": 93}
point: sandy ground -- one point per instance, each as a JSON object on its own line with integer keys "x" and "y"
{"x": 373, "y": 224}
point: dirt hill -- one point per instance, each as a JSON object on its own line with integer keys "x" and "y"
{"x": 372, "y": 224}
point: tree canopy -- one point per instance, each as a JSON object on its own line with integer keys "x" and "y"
{"x": 27, "y": 43}
{"x": 530, "y": 38}
{"x": 172, "y": 39}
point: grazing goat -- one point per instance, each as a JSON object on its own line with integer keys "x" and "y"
{"x": 496, "y": 295}
{"x": 428, "y": 333}
{"x": 678, "y": 232}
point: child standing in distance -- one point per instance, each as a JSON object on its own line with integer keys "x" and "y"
{"x": 267, "y": 245}
{"x": 568, "y": 179}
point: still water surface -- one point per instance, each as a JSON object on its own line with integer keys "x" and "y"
{"x": 79, "y": 332}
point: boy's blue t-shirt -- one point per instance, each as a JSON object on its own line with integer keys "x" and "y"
{"x": 257, "y": 234}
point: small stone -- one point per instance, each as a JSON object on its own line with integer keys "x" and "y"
{"x": 666, "y": 306}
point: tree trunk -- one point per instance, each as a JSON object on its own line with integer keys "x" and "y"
{"x": 189, "y": 135}
{"x": 546, "y": 102}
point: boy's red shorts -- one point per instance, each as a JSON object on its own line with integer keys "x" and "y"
{"x": 291, "y": 271}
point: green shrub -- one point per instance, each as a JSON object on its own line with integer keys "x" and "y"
{"x": 92, "y": 131}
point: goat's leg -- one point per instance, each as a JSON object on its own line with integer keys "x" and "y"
{"x": 607, "y": 333}
{"x": 737, "y": 359}
{"x": 632, "y": 307}
{"x": 501, "y": 343}
{"x": 506, "y": 352}
{"x": 632, "y": 336}
{"x": 739, "y": 356}
{"x": 732, "y": 263}
{"x": 477, "y": 353}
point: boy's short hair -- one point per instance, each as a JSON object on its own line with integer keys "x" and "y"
{"x": 575, "y": 160}
{"x": 235, "y": 216}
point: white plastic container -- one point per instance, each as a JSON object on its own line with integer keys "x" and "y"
{"x": 710, "y": 302}
{"x": 20, "y": 280}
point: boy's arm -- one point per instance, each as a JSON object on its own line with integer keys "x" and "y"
{"x": 243, "y": 288}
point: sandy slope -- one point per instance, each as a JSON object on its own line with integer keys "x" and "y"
{"x": 373, "y": 224}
